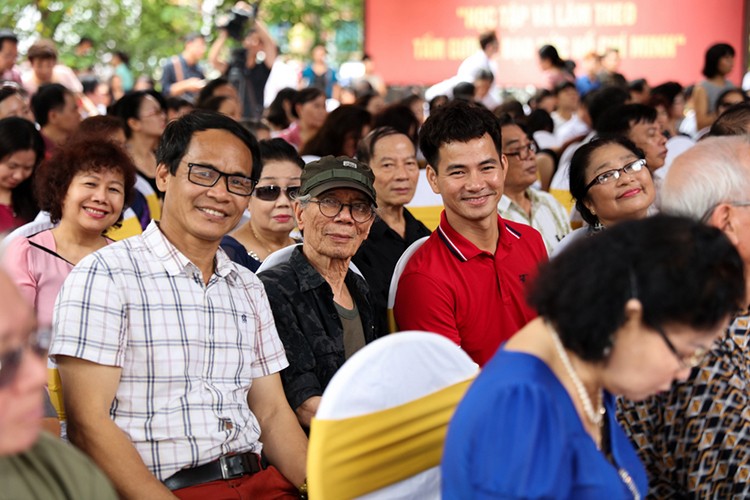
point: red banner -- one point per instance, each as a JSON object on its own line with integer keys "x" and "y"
{"x": 424, "y": 41}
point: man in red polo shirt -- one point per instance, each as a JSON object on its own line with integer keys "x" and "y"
{"x": 468, "y": 281}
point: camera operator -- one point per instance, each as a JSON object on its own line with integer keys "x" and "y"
{"x": 249, "y": 67}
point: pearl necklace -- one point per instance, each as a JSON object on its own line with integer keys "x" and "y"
{"x": 595, "y": 417}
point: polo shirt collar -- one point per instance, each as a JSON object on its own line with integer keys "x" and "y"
{"x": 174, "y": 261}
{"x": 462, "y": 248}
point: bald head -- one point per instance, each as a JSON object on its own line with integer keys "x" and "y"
{"x": 714, "y": 171}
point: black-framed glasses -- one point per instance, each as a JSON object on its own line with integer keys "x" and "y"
{"x": 330, "y": 207}
{"x": 691, "y": 361}
{"x": 208, "y": 176}
{"x": 10, "y": 362}
{"x": 523, "y": 152}
{"x": 615, "y": 173}
{"x": 272, "y": 193}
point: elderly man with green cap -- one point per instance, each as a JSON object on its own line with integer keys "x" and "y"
{"x": 322, "y": 309}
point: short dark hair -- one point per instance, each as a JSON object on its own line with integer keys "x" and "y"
{"x": 720, "y": 99}
{"x": 7, "y": 34}
{"x": 487, "y": 38}
{"x": 366, "y": 146}
{"x": 18, "y": 134}
{"x": 49, "y": 97}
{"x": 712, "y": 57}
{"x": 177, "y": 103}
{"x": 670, "y": 91}
{"x": 620, "y": 119}
{"x": 278, "y": 149}
{"x": 213, "y": 103}
{"x": 276, "y": 114}
{"x": 10, "y": 89}
{"x": 580, "y": 162}
{"x": 638, "y": 85}
{"x": 176, "y": 138}
{"x": 564, "y": 85}
{"x": 733, "y": 121}
{"x": 460, "y": 121}
{"x": 464, "y": 90}
{"x": 401, "y": 117}
{"x": 597, "y": 102}
{"x": 87, "y": 154}
{"x": 683, "y": 272}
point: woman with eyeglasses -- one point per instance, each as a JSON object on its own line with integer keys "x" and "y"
{"x": 21, "y": 151}
{"x": 623, "y": 313}
{"x": 611, "y": 183}
{"x": 84, "y": 187}
{"x": 270, "y": 206}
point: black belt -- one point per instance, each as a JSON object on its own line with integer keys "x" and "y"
{"x": 226, "y": 467}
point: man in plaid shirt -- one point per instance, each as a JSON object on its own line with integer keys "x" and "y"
{"x": 168, "y": 351}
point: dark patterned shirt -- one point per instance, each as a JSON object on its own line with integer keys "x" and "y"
{"x": 695, "y": 439}
{"x": 309, "y": 326}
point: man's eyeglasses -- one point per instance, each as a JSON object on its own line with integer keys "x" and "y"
{"x": 272, "y": 193}
{"x": 10, "y": 361}
{"x": 615, "y": 173}
{"x": 691, "y": 361}
{"x": 207, "y": 176}
{"x": 361, "y": 212}
{"x": 523, "y": 152}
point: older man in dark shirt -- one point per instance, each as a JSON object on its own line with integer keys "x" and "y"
{"x": 322, "y": 309}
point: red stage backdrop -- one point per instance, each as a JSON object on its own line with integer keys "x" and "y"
{"x": 424, "y": 41}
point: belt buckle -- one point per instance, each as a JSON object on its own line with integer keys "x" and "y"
{"x": 232, "y": 466}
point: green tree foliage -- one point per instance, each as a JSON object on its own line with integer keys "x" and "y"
{"x": 150, "y": 30}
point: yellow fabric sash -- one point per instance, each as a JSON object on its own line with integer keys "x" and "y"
{"x": 354, "y": 456}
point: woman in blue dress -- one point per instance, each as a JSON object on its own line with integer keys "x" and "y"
{"x": 624, "y": 312}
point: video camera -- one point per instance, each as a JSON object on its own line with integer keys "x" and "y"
{"x": 238, "y": 19}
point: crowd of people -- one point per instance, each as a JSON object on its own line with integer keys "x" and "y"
{"x": 193, "y": 261}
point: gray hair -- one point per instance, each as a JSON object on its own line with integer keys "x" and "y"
{"x": 714, "y": 171}
{"x": 303, "y": 199}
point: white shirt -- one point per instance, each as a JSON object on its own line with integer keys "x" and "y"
{"x": 548, "y": 216}
{"x": 188, "y": 351}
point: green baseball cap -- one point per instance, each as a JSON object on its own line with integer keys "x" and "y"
{"x": 340, "y": 172}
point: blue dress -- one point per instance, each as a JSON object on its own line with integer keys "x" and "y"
{"x": 516, "y": 434}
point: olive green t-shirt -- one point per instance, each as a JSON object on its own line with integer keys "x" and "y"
{"x": 52, "y": 470}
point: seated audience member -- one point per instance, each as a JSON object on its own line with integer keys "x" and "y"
{"x": 270, "y": 206}
{"x": 729, "y": 98}
{"x": 468, "y": 281}
{"x": 85, "y": 188}
{"x": 167, "y": 350}
{"x": 673, "y": 97}
{"x": 400, "y": 117}
{"x": 102, "y": 127}
{"x": 279, "y": 112}
{"x": 638, "y": 123}
{"x": 218, "y": 86}
{"x": 588, "y": 80}
{"x": 56, "y": 113}
{"x": 617, "y": 317}
{"x": 21, "y": 152}
{"x": 567, "y": 100}
{"x": 34, "y": 464}
{"x": 693, "y": 438}
{"x": 322, "y": 308}
{"x": 521, "y": 203}
{"x": 309, "y": 111}
{"x": 8, "y": 56}
{"x": 640, "y": 91}
{"x": 371, "y": 101}
{"x": 342, "y": 130}
{"x": 393, "y": 159}
{"x": 610, "y": 183}
{"x": 14, "y": 101}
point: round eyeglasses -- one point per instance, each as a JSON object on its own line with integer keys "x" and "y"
{"x": 361, "y": 212}
{"x": 615, "y": 173}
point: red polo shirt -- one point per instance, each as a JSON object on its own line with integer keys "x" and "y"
{"x": 475, "y": 298}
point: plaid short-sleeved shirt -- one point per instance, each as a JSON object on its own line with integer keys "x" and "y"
{"x": 188, "y": 351}
{"x": 548, "y": 216}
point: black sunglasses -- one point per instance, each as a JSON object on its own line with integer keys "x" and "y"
{"x": 271, "y": 193}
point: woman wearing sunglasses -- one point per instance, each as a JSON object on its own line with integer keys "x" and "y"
{"x": 623, "y": 313}
{"x": 611, "y": 183}
{"x": 270, "y": 207}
